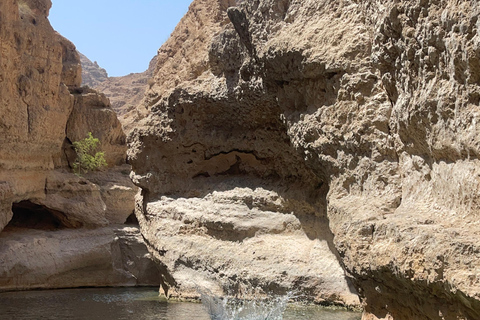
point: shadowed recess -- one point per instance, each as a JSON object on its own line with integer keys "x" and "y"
{"x": 27, "y": 214}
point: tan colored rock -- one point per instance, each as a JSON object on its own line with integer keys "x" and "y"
{"x": 79, "y": 200}
{"x": 36, "y": 69}
{"x": 92, "y": 113}
{"x": 131, "y": 255}
{"x": 223, "y": 190}
{"x": 92, "y": 73}
{"x": 42, "y": 111}
{"x": 364, "y": 111}
{"x": 39, "y": 68}
{"x": 6, "y": 195}
{"x": 109, "y": 256}
{"x": 117, "y": 192}
{"x": 95, "y": 200}
{"x": 244, "y": 235}
{"x": 125, "y": 93}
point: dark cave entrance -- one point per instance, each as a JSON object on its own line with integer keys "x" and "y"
{"x": 29, "y": 215}
{"x": 132, "y": 220}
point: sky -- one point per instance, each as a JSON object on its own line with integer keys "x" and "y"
{"x": 121, "y": 35}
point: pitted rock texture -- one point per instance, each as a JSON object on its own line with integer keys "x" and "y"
{"x": 223, "y": 190}
{"x": 364, "y": 112}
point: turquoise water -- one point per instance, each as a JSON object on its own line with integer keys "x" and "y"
{"x": 124, "y": 303}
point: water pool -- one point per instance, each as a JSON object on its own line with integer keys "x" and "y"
{"x": 125, "y": 303}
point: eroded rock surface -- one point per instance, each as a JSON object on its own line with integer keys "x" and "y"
{"x": 125, "y": 93}
{"x": 43, "y": 110}
{"x": 354, "y": 118}
{"x": 34, "y": 95}
{"x": 226, "y": 199}
{"x": 92, "y": 113}
{"x": 92, "y": 73}
{"x": 110, "y": 256}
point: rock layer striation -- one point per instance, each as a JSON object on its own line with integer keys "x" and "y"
{"x": 340, "y": 136}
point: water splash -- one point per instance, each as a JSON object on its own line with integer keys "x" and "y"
{"x": 251, "y": 308}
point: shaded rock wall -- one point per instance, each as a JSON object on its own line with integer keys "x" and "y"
{"x": 110, "y": 256}
{"x": 352, "y": 123}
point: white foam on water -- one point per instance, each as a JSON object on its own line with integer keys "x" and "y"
{"x": 251, "y": 308}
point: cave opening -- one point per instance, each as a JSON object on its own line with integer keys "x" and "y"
{"x": 132, "y": 220}
{"x": 29, "y": 215}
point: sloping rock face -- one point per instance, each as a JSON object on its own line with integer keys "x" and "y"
{"x": 92, "y": 73}
{"x": 44, "y": 208}
{"x": 125, "y": 93}
{"x": 296, "y": 120}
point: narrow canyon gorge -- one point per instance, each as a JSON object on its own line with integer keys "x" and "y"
{"x": 59, "y": 230}
{"x": 329, "y": 147}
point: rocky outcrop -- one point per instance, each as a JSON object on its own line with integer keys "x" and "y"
{"x": 45, "y": 209}
{"x": 92, "y": 73}
{"x": 92, "y": 113}
{"x": 44, "y": 109}
{"x": 125, "y": 93}
{"x": 343, "y": 133}
{"x": 110, "y": 256}
{"x": 34, "y": 96}
{"x": 226, "y": 199}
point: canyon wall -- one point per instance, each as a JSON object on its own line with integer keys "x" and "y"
{"x": 311, "y": 145}
{"x": 59, "y": 229}
{"x": 227, "y": 203}
{"x": 125, "y": 93}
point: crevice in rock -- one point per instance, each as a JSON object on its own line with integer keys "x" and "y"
{"x": 241, "y": 25}
{"x": 232, "y": 151}
{"x": 132, "y": 220}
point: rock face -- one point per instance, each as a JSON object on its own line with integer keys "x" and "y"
{"x": 226, "y": 199}
{"x": 43, "y": 107}
{"x": 92, "y": 113}
{"x": 110, "y": 256}
{"x": 323, "y": 134}
{"x": 125, "y": 93}
{"x": 92, "y": 73}
{"x": 43, "y": 204}
{"x": 35, "y": 98}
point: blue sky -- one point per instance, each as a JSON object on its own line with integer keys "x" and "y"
{"x": 121, "y": 35}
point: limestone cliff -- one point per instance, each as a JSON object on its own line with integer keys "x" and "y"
{"x": 125, "y": 93}
{"x": 321, "y": 134}
{"x": 92, "y": 73}
{"x": 44, "y": 207}
{"x": 227, "y": 202}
